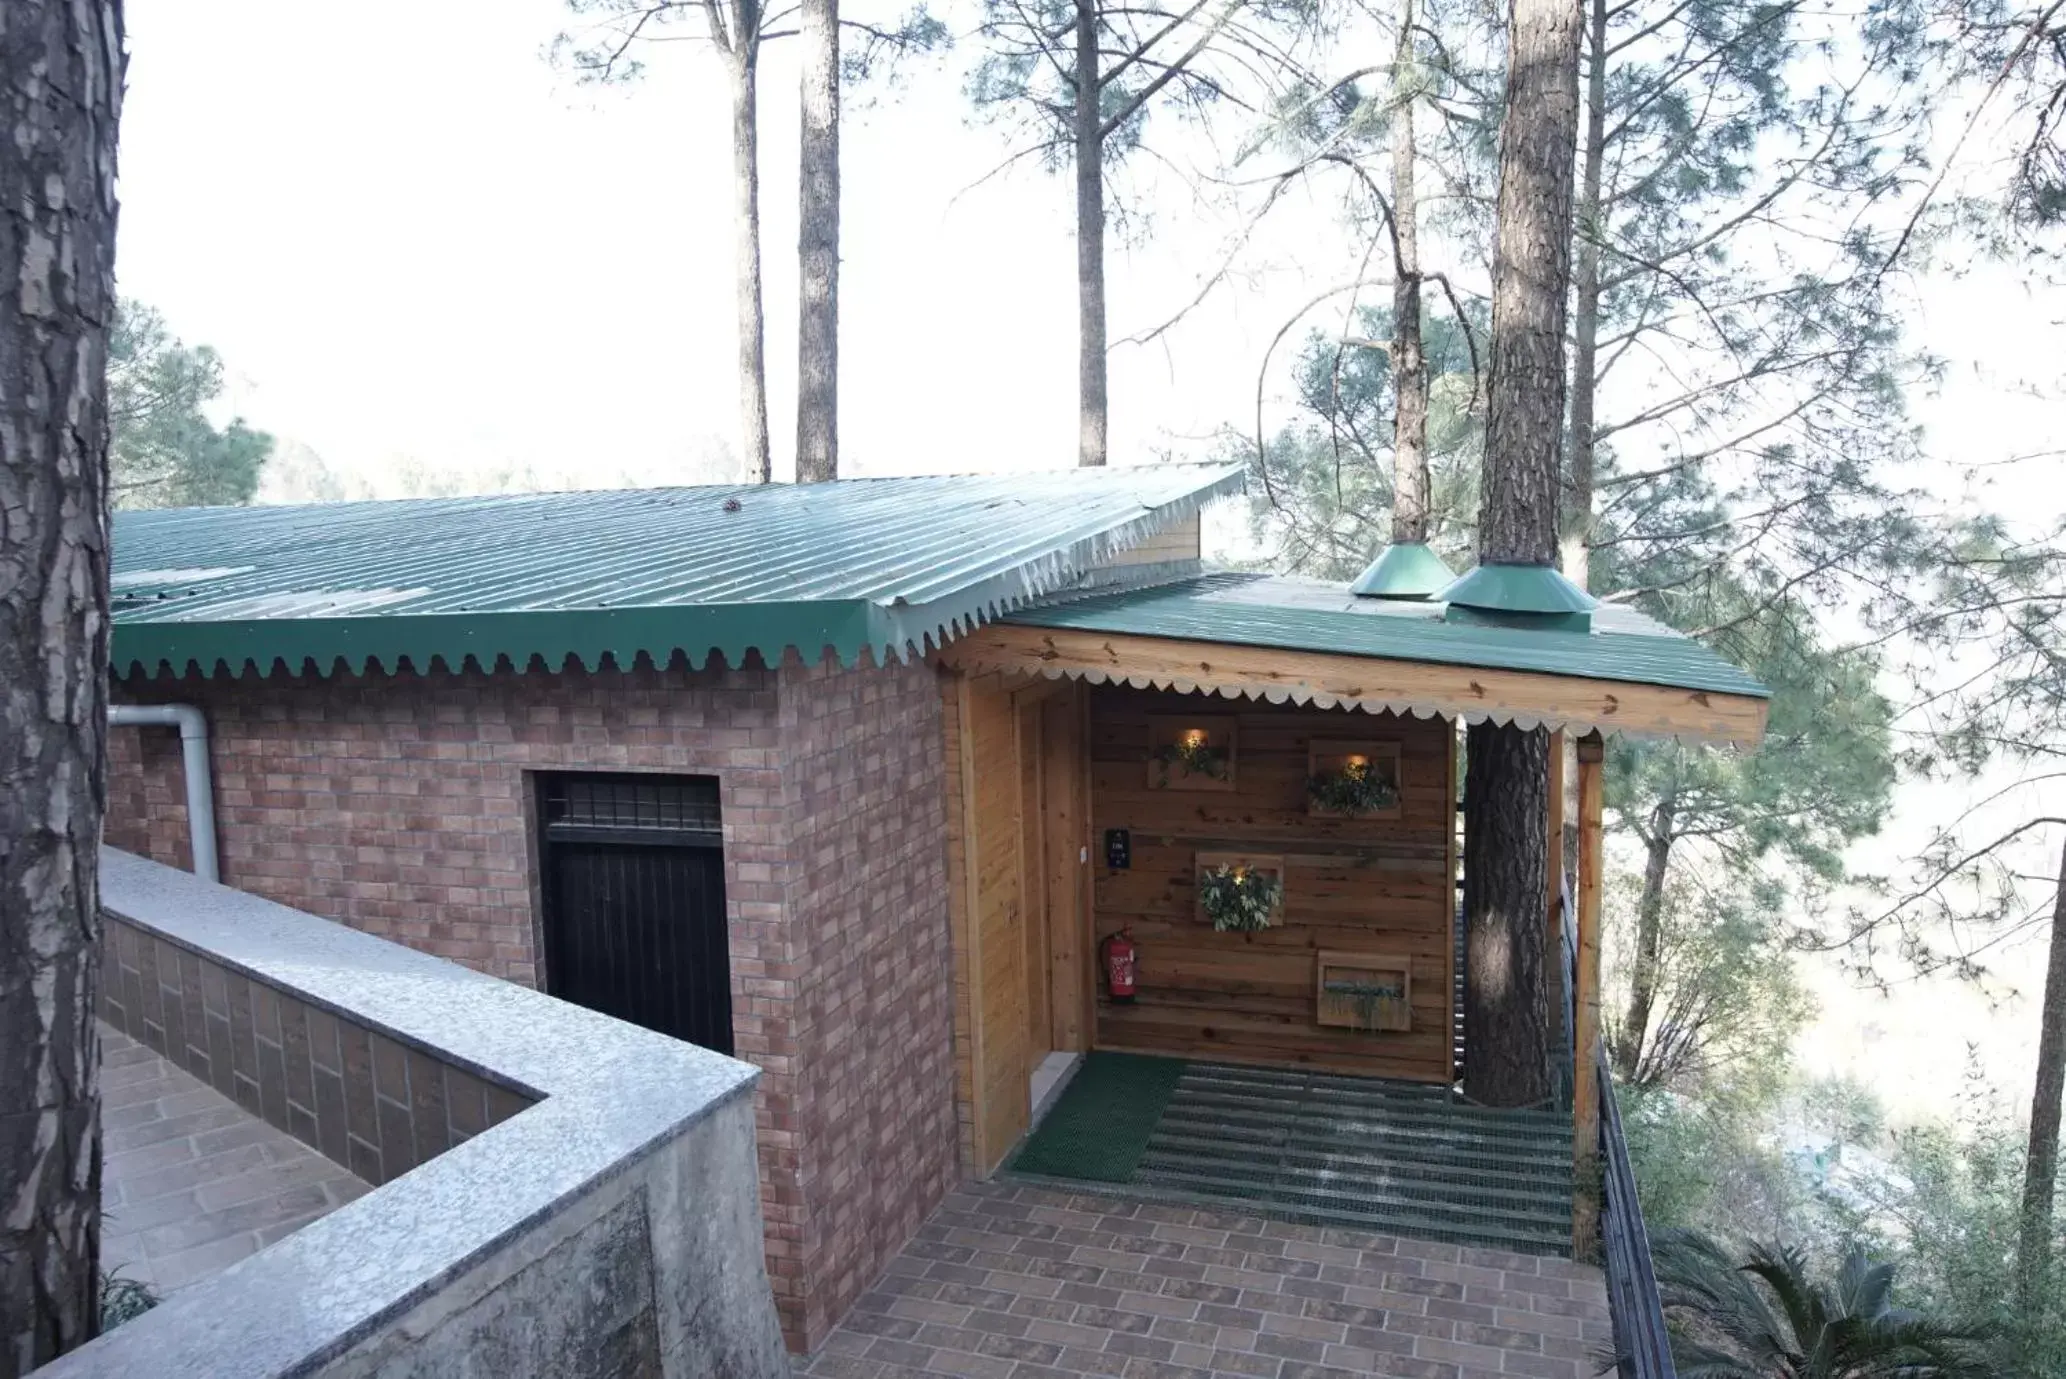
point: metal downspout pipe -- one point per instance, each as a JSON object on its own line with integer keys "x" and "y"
{"x": 200, "y": 781}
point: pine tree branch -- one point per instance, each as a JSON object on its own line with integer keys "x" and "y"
{"x": 2037, "y": 27}
{"x": 1140, "y": 98}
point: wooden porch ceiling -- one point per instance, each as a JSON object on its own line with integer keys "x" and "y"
{"x": 1378, "y": 685}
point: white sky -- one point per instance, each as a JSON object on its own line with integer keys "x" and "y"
{"x": 418, "y": 246}
{"x": 409, "y": 236}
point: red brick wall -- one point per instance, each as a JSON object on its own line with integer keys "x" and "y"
{"x": 400, "y": 805}
{"x": 865, "y": 759}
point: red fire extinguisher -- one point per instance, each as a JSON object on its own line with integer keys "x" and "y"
{"x": 1120, "y": 956}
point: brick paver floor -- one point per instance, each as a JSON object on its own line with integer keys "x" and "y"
{"x": 1015, "y": 1282}
{"x": 191, "y": 1182}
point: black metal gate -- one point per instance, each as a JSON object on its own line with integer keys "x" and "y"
{"x": 635, "y": 901}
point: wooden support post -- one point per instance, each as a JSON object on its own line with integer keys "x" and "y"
{"x": 1452, "y": 885}
{"x": 1556, "y": 819}
{"x": 1585, "y": 1139}
{"x": 1553, "y": 931}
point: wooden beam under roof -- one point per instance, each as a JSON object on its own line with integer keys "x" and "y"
{"x": 1578, "y": 703}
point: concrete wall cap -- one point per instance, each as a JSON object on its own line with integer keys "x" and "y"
{"x": 610, "y": 1094}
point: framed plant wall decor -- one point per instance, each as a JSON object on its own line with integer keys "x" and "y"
{"x": 1353, "y": 780}
{"x": 1365, "y": 991}
{"x": 1240, "y": 893}
{"x": 1194, "y": 752}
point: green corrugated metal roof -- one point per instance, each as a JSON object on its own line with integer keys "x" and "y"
{"x": 1308, "y": 615}
{"x": 890, "y": 565}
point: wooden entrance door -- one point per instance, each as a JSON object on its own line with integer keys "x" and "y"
{"x": 1069, "y": 972}
{"x": 997, "y": 942}
{"x": 1019, "y": 753}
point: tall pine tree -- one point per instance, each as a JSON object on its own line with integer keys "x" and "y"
{"x": 1506, "y": 784}
{"x": 1080, "y": 80}
{"x": 61, "y": 75}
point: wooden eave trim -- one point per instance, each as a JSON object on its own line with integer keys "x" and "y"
{"x": 1376, "y": 684}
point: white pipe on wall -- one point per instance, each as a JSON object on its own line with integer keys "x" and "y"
{"x": 200, "y": 781}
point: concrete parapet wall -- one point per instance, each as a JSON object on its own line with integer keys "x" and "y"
{"x": 354, "y": 1094}
{"x": 610, "y": 1228}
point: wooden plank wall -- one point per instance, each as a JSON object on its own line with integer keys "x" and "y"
{"x": 1180, "y": 542}
{"x": 1358, "y": 885}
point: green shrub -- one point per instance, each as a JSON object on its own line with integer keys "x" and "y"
{"x": 1239, "y": 900}
{"x": 1354, "y": 789}
{"x": 122, "y": 1299}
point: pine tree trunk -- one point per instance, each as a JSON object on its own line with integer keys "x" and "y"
{"x": 1410, "y": 486}
{"x": 1506, "y": 844}
{"x": 817, "y": 373}
{"x": 1577, "y": 532}
{"x": 752, "y": 315}
{"x": 1649, "y": 955}
{"x": 62, "y": 66}
{"x": 1505, "y": 835}
{"x": 1090, "y": 243}
{"x": 1531, "y": 269}
{"x": 2041, "y": 1170}
{"x": 1585, "y": 324}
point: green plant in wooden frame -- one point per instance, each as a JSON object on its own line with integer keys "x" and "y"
{"x": 1366, "y": 992}
{"x": 1357, "y": 786}
{"x": 1194, "y": 750}
{"x": 1353, "y": 780}
{"x": 1372, "y": 1001}
{"x": 1238, "y": 898}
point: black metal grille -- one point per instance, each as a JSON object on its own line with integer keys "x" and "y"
{"x": 635, "y": 902}
{"x": 1564, "y": 1027}
{"x": 633, "y": 809}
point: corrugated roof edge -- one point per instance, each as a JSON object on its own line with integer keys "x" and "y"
{"x": 845, "y": 629}
{"x": 1551, "y": 652}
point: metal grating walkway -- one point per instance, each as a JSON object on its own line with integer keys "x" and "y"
{"x": 1383, "y": 1156}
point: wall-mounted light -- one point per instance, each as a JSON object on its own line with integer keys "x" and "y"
{"x": 1352, "y": 779}
{"x": 1191, "y": 753}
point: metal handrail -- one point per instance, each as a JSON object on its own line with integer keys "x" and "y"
{"x": 1564, "y": 1039}
{"x": 1642, "y": 1346}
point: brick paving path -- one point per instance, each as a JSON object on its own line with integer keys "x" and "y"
{"x": 1014, "y": 1282}
{"x": 192, "y": 1182}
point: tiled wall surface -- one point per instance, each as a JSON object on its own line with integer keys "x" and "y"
{"x": 867, "y": 887}
{"x": 363, "y": 1100}
{"x": 398, "y": 805}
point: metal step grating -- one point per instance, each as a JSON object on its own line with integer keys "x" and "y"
{"x": 1382, "y": 1156}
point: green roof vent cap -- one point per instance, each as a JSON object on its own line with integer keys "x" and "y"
{"x": 1404, "y": 570}
{"x": 1536, "y": 596}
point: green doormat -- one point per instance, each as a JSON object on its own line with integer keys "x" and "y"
{"x": 1100, "y": 1126}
